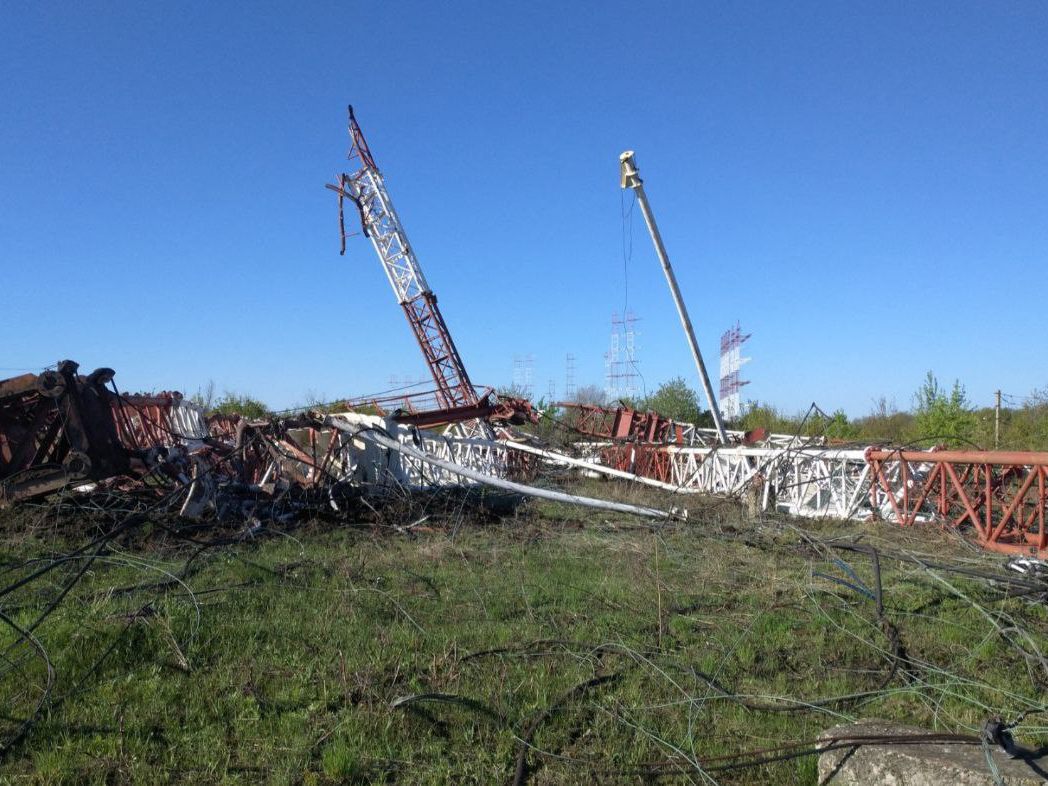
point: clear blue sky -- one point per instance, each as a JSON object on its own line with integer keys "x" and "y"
{"x": 863, "y": 185}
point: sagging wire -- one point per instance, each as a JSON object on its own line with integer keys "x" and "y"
{"x": 627, "y": 258}
{"x": 923, "y": 678}
{"x": 26, "y": 635}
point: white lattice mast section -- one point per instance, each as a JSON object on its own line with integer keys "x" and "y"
{"x": 366, "y": 189}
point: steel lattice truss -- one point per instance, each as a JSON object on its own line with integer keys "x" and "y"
{"x": 1000, "y": 494}
{"x": 812, "y": 482}
{"x": 367, "y": 190}
{"x": 1002, "y": 497}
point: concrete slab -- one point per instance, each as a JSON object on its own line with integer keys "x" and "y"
{"x": 919, "y": 764}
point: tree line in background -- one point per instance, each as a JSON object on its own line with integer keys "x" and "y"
{"x": 939, "y": 416}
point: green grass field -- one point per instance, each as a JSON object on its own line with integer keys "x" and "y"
{"x": 551, "y": 646}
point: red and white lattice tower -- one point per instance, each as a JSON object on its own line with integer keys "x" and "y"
{"x": 731, "y": 361}
{"x": 365, "y": 188}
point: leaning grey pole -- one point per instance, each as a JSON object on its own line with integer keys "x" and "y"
{"x": 630, "y": 178}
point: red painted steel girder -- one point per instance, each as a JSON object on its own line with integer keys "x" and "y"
{"x": 624, "y": 424}
{"x": 421, "y": 410}
{"x": 649, "y": 461}
{"x": 1000, "y": 494}
{"x": 993, "y": 457}
{"x": 453, "y": 386}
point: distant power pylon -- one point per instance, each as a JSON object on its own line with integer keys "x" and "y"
{"x": 523, "y": 372}
{"x": 620, "y": 361}
{"x": 569, "y": 378}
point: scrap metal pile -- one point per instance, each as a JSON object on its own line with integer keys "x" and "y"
{"x": 60, "y": 430}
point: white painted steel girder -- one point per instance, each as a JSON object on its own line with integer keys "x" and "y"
{"x": 366, "y": 462}
{"x": 812, "y": 482}
{"x": 694, "y": 436}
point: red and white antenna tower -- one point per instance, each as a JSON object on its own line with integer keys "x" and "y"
{"x": 731, "y": 361}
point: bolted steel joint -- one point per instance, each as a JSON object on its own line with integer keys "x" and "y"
{"x": 629, "y": 176}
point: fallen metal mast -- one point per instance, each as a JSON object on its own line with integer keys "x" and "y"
{"x": 630, "y": 178}
{"x": 367, "y": 190}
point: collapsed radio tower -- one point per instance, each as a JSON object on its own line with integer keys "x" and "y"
{"x": 458, "y": 404}
{"x": 731, "y": 361}
{"x": 366, "y": 190}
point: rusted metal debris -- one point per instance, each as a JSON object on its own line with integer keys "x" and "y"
{"x": 626, "y": 424}
{"x": 57, "y": 428}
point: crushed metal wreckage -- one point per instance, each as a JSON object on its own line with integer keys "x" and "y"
{"x": 59, "y": 430}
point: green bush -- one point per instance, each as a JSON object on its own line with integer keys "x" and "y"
{"x": 944, "y": 417}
